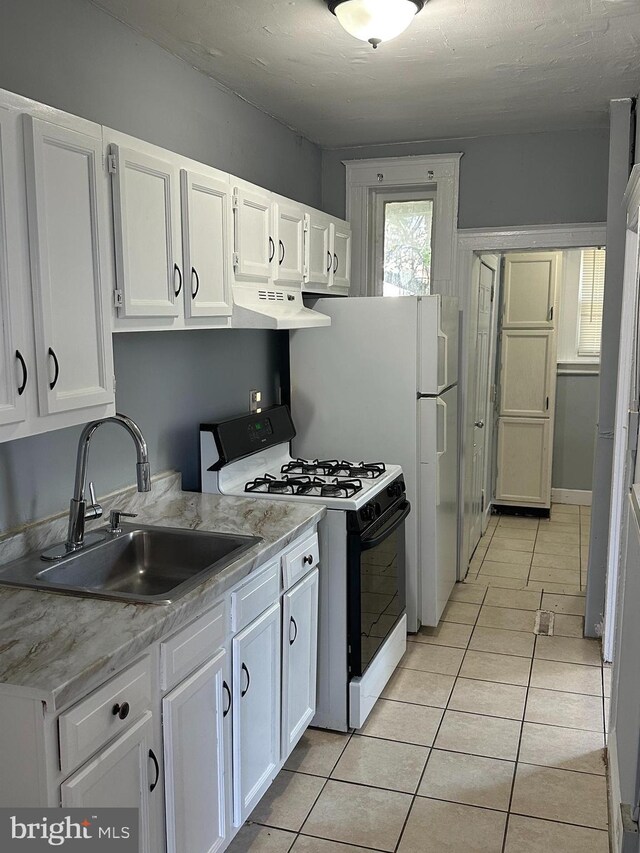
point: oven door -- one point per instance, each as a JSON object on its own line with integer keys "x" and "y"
{"x": 376, "y": 585}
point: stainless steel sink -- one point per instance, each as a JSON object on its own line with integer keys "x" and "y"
{"x": 145, "y": 564}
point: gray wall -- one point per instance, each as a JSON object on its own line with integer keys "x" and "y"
{"x": 519, "y": 179}
{"x": 72, "y": 56}
{"x": 575, "y": 431}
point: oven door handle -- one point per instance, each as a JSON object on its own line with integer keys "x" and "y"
{"x": 394, "y": 522}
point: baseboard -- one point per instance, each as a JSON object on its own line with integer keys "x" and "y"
{"x": 615, "y": 822}
{"x": 571, "y": 496}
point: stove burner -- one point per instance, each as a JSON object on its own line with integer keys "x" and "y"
{"x": 304, "y": 485}
{"x": 333, "y": 468}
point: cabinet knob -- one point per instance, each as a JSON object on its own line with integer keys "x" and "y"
{"x": 308, "y": 559}
{"x": 121, "y": 711}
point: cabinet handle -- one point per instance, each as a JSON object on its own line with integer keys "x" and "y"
{"x": 25, "y": 374}
{"x": 308, "y": 559}
{"x": 335, "y": 264}
{"x": 272, "y": 249}
{"x": 295, "y": 636}
{"x": 194, "y": 274}
{"x": 121, "y": 711}
{"x": 56, "y": 369}
{"x": 550, "y": 314}
{"x": 547, "y": 405}
{"x": 153, "y": 785}
{"x": 246, "y": 689}
{"x": 176, "y": 269}
{"x": 282, "y": 252}
{"x": 330, "y": 261}
{"x": 225, "y": 687}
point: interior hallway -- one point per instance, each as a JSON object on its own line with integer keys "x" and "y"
{"x": 488, "y": 739}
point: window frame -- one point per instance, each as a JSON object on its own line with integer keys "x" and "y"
{"x": 568, "y": 329}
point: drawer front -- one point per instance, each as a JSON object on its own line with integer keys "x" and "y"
{"x": 255, "y": 597}
{"x": 299, "y": 560}
{"x": 192, "y": 646}
{"x": 95, "y": 720}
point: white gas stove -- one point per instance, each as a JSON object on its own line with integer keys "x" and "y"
{"x": 362, "y": 619}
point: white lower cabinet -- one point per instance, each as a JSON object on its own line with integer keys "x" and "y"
{"x": 123, "y": 775}
{"x": 299, "y": 659}
{"x": 256, "y": 710}
{"x": 194, "y": 760}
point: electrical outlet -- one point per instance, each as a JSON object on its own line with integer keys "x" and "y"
{"x": 255, "y": 401}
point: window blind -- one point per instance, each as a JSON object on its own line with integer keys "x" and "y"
{"x": 590, "y": 301}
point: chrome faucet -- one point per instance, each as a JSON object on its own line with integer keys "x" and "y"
{"x": 79, "y": 511}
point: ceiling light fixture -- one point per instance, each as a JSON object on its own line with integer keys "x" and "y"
{"x": 375, "y": 21}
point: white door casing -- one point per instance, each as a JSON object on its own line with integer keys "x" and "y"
{"x": 68, "y": 238}
{"x": 207, "y": 227}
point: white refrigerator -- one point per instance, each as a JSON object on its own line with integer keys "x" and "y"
{"x": 380, "y": 384}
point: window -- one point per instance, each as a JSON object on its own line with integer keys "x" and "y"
{"x": 403, "y": 242}
{"x": 590, "y": 302}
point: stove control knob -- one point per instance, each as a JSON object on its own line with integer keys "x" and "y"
{"x": 395, "y": 490}
{"x": 368, "y": 512}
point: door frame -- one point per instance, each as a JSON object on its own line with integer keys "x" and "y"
{"x": 472, "y": 241}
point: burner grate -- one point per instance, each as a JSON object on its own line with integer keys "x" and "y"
{"x": 334, "y": 468}
{"x": 304, "y": 485}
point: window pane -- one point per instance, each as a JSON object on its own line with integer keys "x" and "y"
{"x": 407, "y": 247}
{"x": 590, "y": 301}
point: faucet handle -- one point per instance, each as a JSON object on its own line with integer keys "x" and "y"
{"x": 94, "y": 510}
{"x": 114, "y": 519}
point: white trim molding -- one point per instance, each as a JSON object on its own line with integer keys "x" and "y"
{"x": 579, "y": 497}
{"x": 439, "y": 172}
{"x": 496, "y": 240}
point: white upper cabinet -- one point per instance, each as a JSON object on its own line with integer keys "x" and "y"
{"x": 68, "y": 238}
{"x": 288, "y": 264}
{"x": 318, "y": 251}
{"x": 530, "y": 287}
{"x": 341, "y": 270}
{"x": 207, "y": 228}
{"x": 16, "y": 359}
{"x": 255, "y": 247}
{"x": 146, "y": 213}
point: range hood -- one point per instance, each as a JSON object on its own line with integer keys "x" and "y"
{"x": 273, "y": 308}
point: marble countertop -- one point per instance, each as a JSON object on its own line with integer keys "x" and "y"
{"x": 57, "y": 647}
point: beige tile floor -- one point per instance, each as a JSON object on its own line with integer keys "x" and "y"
{"x": 488, "y": 738}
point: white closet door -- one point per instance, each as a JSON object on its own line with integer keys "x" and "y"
{"x": 524, "y": 461}
{"x": 530, "y": 286}
{"x": 146, "y": 211}
{"x": 527, "y": 373}
{"x": 207, "y": 241}
{"x": 318, "y": 254}
{"x": 68, "y": 236}
{"x": 16, "y": 367}
{"x": 289, "y": 238}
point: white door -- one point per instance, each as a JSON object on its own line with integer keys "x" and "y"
{"x": 530, "y": 284}
{"x": 146, "y": 213}
{"x": 68, "y": 235}
{"x": 524, "y": 461}
{"x": 318, "y": 254}
{"x": 255, "y": 248}
{"x": 207, "y": 244}
{"x": 194, "y": 758}
{"x": 15, "y": 355}
{"x": 289, "y": 239}
{"x": 299, "y": 660}
{"x": 256, "y": 710}
{"x": 484, "y": 280}
{"x": 527, "y": 372}
{"x": 341, "y": 270}
{"x": 124, "y": 775}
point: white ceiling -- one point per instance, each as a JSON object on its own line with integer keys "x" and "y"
{"x": 464, "y": 67}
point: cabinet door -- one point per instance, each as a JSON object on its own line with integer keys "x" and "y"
{"x": 318, "y": 252}
{"x": 207, "y": 229}
{"x": 68, "y": 236}
{"x": 14, "y": 283}
{"x": 256, "y": 710}
{"x": 192, "y": 723}
{"x": 527, "y": 373}
{"x": 529, "y": 288}
{"x": 289, "y": 239}
{"x": 524, "y": 461}
{"x": 255, "y": 248}
{"x": 146, "y": 214}
{"x": 118, "y": 777}
{"x": 299, "y": 659}
{"x": 341, "y": 271}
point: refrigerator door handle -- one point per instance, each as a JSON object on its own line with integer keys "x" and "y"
{"x": 443, "y": 358}
{"x": 441, "y": 440}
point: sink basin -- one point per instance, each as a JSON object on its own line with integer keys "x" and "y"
{"x": 145, "y": 564}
